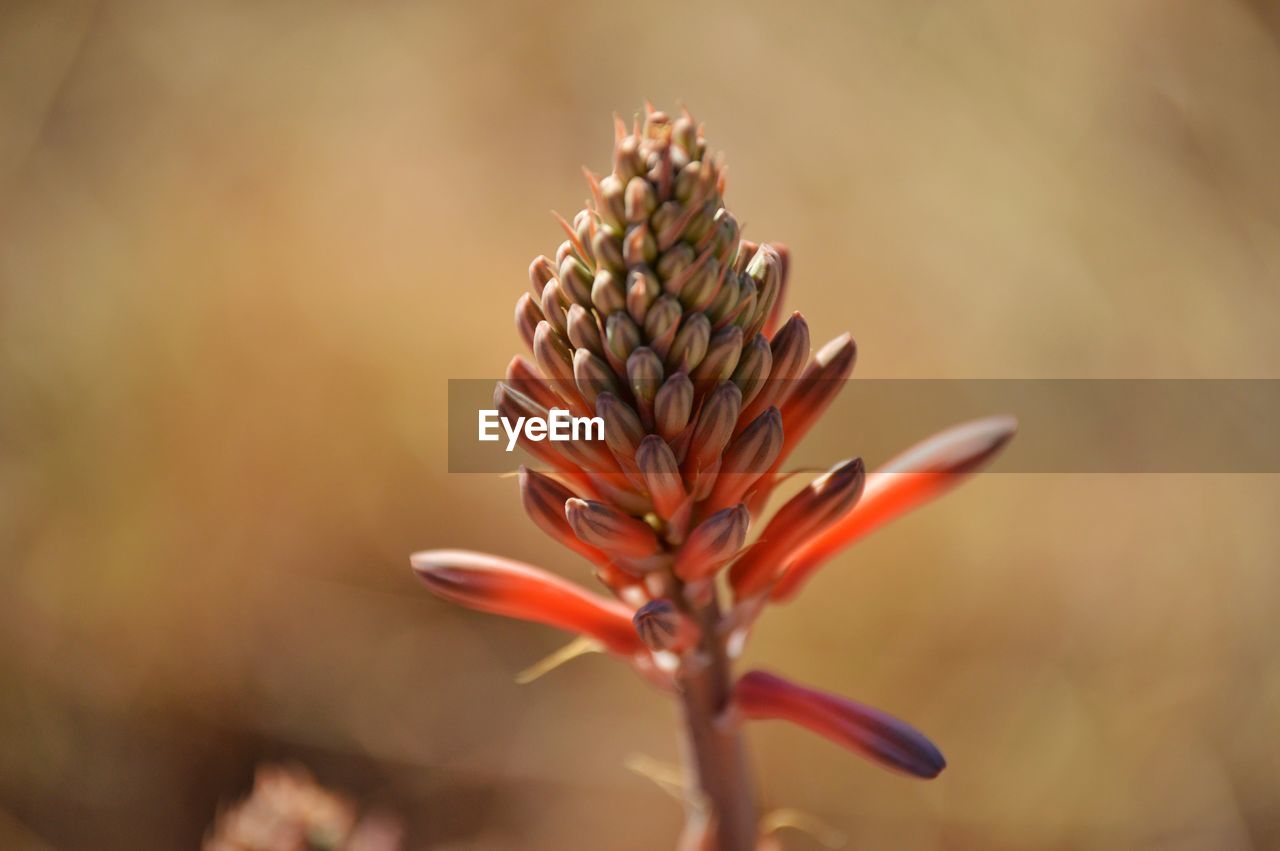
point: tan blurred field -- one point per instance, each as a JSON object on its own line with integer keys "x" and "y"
{"x": 243, "y": 246}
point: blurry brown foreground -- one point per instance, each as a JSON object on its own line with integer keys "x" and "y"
{"x": 244, "y": 246}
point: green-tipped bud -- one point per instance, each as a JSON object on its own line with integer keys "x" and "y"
{"x": 623, "y": 430}
{"x": 592, "y": 376}
{"x": 575, "y": 282}
{"x": 666, "y": 217}
{"x": 721, "y": 358}
{"x": 607, "y": 294}
{"x": 663, "y": 319}
{"x": 626, "y": 159}
{"x": 702, "y": 287}
{"x": 675, "y": 260}
{"x": 608, "y": 251}
{"x": 583, "y": 331}
{"x": 621, "y": 335}
{"x": 713, "y": 543}
{"x": 638, "y": 246}
{"x": 612, "y": 205}
{"x": 715, "y": 427}
{"x": 688, "y": 181}
{"x": 642, "y": 291}
{"x": 657, "y": 464}
{"x": 726, "y": 238}
{"x": 605, "y": 528}
{"x": 541, "y": 270}
{"x": 528, "y": 315}
{"x": 690, "y": 344}
{"x": 673, "y": 405}
{"x": 725, "y": 301}
{"x": 639, "y": 201}
{"x": 753, "y": 367}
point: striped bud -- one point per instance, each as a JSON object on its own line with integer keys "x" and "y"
{"x": 621, "y": 335}
{"x": 608, "y": 251}
{"x": 644, "y": 373}
{"x": 820, "y": 384}
{"x": 674, "y": 261}
{"x": 638, "y": 246}
{"x": 575, "y": 282}
{"x": 553, "y": 305}
{"x": 525, "y": 378}
{"x": 673, "y": 405}
{"x": 748, "y": 457}
{"x": 714, "y": 429}
{"x": 690, "y": 345}
{"x": 626, "y": 159}
{"x": 607, "y": 294}
{"x": 642, "y": 292}
{"x": 806, "y": 514}
{"x": 623, "y": 430}
{"x": 874, "y": 734}
{"x": 753, "y": 367}
{"x": 713, "y": 543}
{"x": 790, "y": 353}
{"x": 639, "y": 200}
{"x": 605, "y": 528}
{"x": 657, "y": 464}
{"x": 721, "y": 358}
{"x": 663, "y": 627}
{"x": 612, "y": 207}
{"x": 592, "y": 376}
{"x": 543, "y": 499}
{"x": 528, "y": 315}
{"x": 517, "y": 590}
{"x": 553, "y": 356}
{"x": 541, "y": 270}
{"x": 583, "y": 331}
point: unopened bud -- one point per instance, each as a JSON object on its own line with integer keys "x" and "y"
{"x": 748, "y": 457}
{"x": 715, "y": 426}
{"x": 638, "y": 246}
{"x": 675, "y": 260}
{"x": 605, "y": 528}
{"x": 621, "y": 335}
{"x": 575, "y": 281}
{"x": 673, "y": 405}
{"x": 690, "y": 344}
{"x": 721, "y": 358}
{"x": 642, "y": 291}
{"x": 592, "y": 376}
{"x": 541, "y": 270}
{"x": 608, "y": 250}
{"x": 583, "y": 331}
{"x": 663, "y": 627}
{"x": 623, "y": 430}
{"x": 753, "y": 367}
{"x": 528, "y": 315}
{"x": 657, "y": 464}
{"x": 713, "y": 543}
{"x": 553, "y": 305}
{"x": 612, "y": 206}
{"x": 606, "y": 293}
{"x": 639, "y": 200}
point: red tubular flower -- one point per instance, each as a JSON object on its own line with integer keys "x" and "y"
{"x": 870, "y": 732}
{"x": 923, "y": 472}
{"x": 503, "y": 586}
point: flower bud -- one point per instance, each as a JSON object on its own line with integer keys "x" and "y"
{"x": 541, "y": 270}
{"x": 639, "y": 201}
{"x": 583, "y": 331}
{"x": 612, "y": 206}
{"x": 605, "y": 528}
{"x": 657, "y": 464}
{"x": 623, "y": 430}
{"x": 753, "y": 367}
{"x": 553, "y": 355}
{"x": 721, "y": 358}
{"x": 528, "y": 315}
{"x": 690, "y": 344}
{"x": 673, "y": 405}
{"x": 608, "y": 251}
{"x": 713, "y": 543}
{"x": 714, "y": 429}
{"x": 621, "y": 335}
{"x": 553, "y": 302}
{"x": 820, "y": 384}
{"x": 806, "y": 514}
{"x": 626, "y": 159}
{"x": 748, "y": 457}
{"x": 674, "y": 261}
{"x": 642, "y": 291}
{"x": 592, "y": 376}
{"x": 874, "y": 734}
{"x": 607, "y": 293}
{"x": 663, "y": 627}
{"x": 543, "y": 499}
{"x": 644, "y": 372}
{"x": 575, "y": 282}
{"x": 638, "y": 246}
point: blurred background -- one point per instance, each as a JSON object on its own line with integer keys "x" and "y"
{"x": 243, "y": 246}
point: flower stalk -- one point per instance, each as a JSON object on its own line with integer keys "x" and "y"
{"x": 657, "y": 317}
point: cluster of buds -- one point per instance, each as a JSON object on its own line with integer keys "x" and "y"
{"x": 658, "y": 317}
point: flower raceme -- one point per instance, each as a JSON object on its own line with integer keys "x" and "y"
{"x": 656, "y": 319}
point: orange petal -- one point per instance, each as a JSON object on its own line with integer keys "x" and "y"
{"x": 503, "y": 586}
{"x": 923, "y": 472}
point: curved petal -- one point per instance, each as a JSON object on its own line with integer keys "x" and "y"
{"x": 923, "y": 472}
{"x": 502, "y": 586}
{"x": 870, "y": 732}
